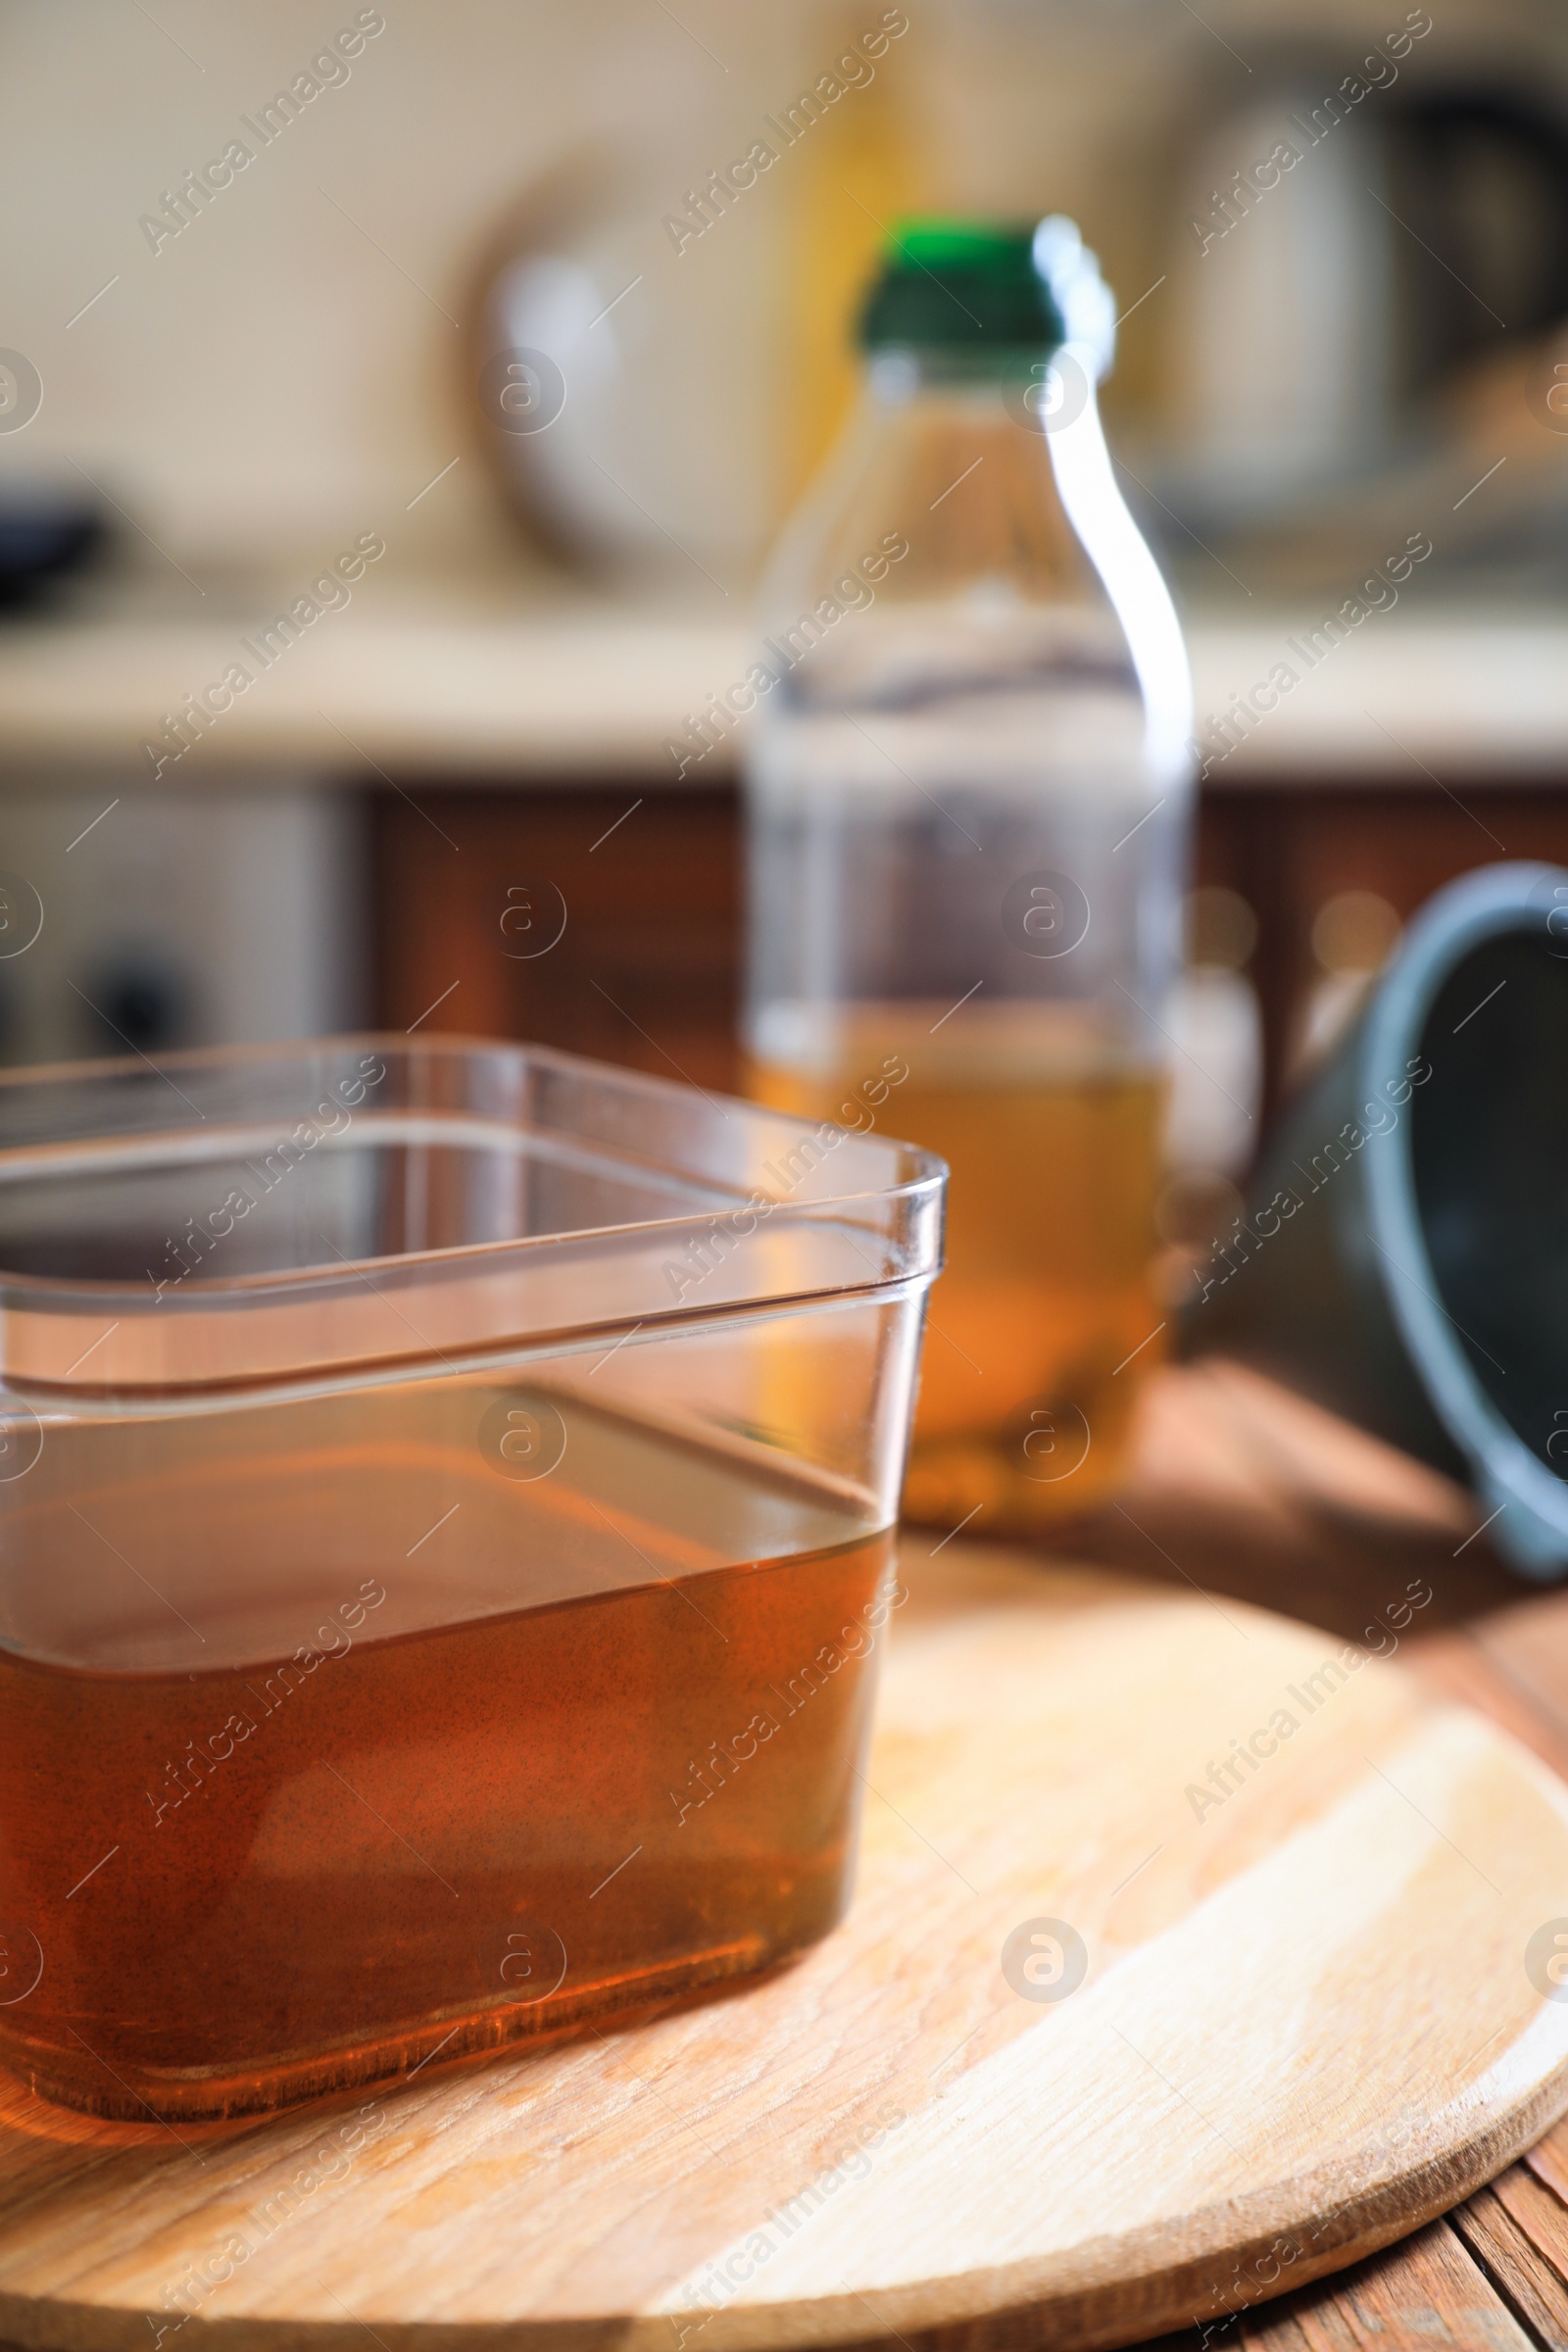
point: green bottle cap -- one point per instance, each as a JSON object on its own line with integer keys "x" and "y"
{"x": 974, "y": 283}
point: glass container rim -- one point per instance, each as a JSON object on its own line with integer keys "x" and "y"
{"x": 737, "y": 1163}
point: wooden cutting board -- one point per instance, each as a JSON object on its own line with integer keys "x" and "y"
{"x": 1105, "y": 2044}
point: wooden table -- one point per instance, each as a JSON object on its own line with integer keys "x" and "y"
{"x": 1249, "y": 1491}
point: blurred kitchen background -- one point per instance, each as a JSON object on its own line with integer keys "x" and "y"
{"x": 288, "y": 285}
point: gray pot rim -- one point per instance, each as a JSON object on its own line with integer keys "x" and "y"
{"x": 1528, "y": 1502}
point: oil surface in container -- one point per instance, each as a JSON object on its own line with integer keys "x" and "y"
{"x": 275, "y": 1827}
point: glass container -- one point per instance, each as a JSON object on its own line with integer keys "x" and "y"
{"x": 446, "y": 1507}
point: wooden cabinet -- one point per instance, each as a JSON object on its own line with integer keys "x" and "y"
{"x": 557, "y": 915}
{"x": 647, "y": 968}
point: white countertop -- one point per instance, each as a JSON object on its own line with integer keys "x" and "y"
{"x": 493, "y": 685}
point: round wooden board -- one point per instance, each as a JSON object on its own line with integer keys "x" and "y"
{"x": 1306, "y": 2024}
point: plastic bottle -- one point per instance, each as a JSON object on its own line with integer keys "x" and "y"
{"x": 969, "y": 803}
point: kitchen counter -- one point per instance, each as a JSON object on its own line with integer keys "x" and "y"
{"x": 506, "y": 683}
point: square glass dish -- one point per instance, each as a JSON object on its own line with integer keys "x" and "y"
{"x": 446, "y": 1509}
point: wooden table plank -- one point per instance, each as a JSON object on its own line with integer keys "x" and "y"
{"x": 1528, "y": 1645}
{"x": 1248, "y": 1490}
{"x": 1459, "y": 1663}
{"x": 1423, "y": 2295}
{"x": 1510, "y": 2250}
{"x": 1549, "y": 2161}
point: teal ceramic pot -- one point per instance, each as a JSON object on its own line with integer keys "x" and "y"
{"x": 1404, "y": 1259}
